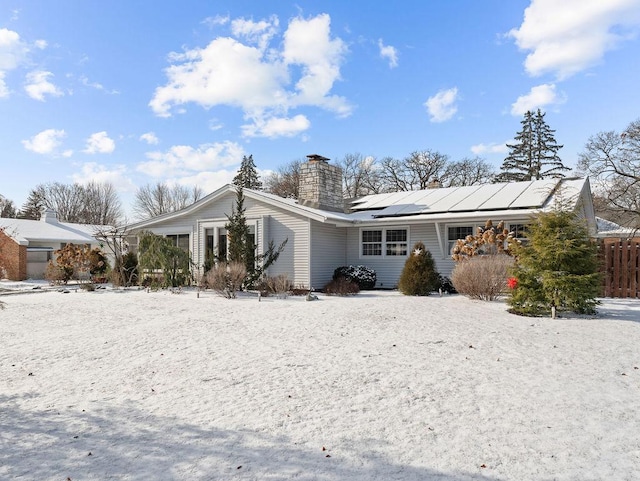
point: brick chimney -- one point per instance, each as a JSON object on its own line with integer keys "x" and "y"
{"x": 320, "y": 184}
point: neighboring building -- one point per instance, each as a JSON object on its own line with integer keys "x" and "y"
{"x": 376, "y": 230}
{"x": 26, "y": 246}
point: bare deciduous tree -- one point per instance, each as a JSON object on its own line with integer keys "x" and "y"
{"x": 154, "y": 200}
{"x": 613, "y": 160}
{"x": 285, "y": 181}
{"x": 94, "y": 203}
{"x": 360, "y": 175}
{"x": 468, "y": 171}
{"x": 102, "y": 205}
{"x": 415, "y": 172}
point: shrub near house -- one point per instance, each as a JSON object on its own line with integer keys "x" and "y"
{"x": 419, "y": 276}
{"x": 483, "y": 262}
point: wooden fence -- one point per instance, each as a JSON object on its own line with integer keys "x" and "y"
{"x": 620, "y": 266}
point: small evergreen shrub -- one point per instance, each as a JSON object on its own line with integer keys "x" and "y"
{"x": 363, "y": 276}
{"x": 557, "y": 269}
{"x": 226, "y": 279}
{"x": 341, "y": 286}
{"x": 419, "y": 276}
{"x": 482, "y": 277}
{"x": 445, "y": 285}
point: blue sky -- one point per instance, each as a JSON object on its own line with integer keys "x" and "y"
{"x": 140, "y": 92}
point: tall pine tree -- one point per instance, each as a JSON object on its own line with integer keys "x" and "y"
{"x": 534, "y": 155}
{"x": 247, "y": 176}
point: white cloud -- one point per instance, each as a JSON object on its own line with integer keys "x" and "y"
{"x": 441, "y": 106}
{"x": 117, "y": 175}
{"x": 259, "y": 33}
{"x": 538, "y": 97}
{"x": 388, "y": 52}
{"x": 99, "y": 143}
{"x": 276, "y": 127}
{"x": 150, "y": 138}
{"x": 41, "y": 44}
{"x": 308, "y": 43}
{"x": 491, "y": 148}
{"x": 566, "y": 37}
{"x": 258, "y": 79}
{"x": 181, "y": 160}
{"x": 38, "y": 85}
{"x": 96, "y": 85}
{"x": 207, "y": 181}
{"x": 216, "y": 21}
{"x": 12, "y": 53}
{"x": 4, "y": 90}
{"x": 45, "y": 142}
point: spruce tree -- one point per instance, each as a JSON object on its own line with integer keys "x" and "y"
{"x": 247, "y": 176}
{"x": 241, "y": 247}
{"x": 419, "y": 276}
{"x": 556, "y": 267}
{"x": 534, "y": 155}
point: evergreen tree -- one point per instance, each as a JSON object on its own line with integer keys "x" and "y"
{"x": 34, "y": 204}
{"x": 534, "y": 155}
{"x": 7, "y": 209}
{"x": 419, "y": 276}
{"x": 556, "y": 268}
{"x": 242, "y": 247}
{"x": 247, "y": 176}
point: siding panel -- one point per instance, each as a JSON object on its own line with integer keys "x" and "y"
{"x": 328, "y": 251}
{"x": 277, "y": 224}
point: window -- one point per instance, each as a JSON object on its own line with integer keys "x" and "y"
{"x": 518, "y": 230}
{"x": 384, "y": 242}
{"x": 457, "y": 232}
{"x": 180, "y": 240}
{"x": 396, "y": 242}
{"x": 371, "y": 242}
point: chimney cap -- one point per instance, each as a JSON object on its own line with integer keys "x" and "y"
{"x": 317, "y": 158}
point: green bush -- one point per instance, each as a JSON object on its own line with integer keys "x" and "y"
{"x": 557, "y": 268}
{"x": 419, "y": 276}
{"x": 364, "y": 276}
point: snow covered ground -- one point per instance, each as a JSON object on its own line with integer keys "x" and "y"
{"x": 136, "y": 385}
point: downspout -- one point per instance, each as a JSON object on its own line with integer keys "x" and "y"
{"x": 439, "y": 235}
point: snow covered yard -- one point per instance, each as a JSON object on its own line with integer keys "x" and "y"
{"x": 131, "y": 385}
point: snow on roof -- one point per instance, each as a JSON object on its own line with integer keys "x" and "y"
{"x": 606, "y": 228}
{"x": 535, "y": 194}
{"x": 25, "y": 231}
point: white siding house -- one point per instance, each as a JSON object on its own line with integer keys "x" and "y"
{"x": 377, "y": 231}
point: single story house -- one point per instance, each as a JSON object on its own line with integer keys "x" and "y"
{"x": 377, "y": 230}
{"x": 26, "y": 246}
